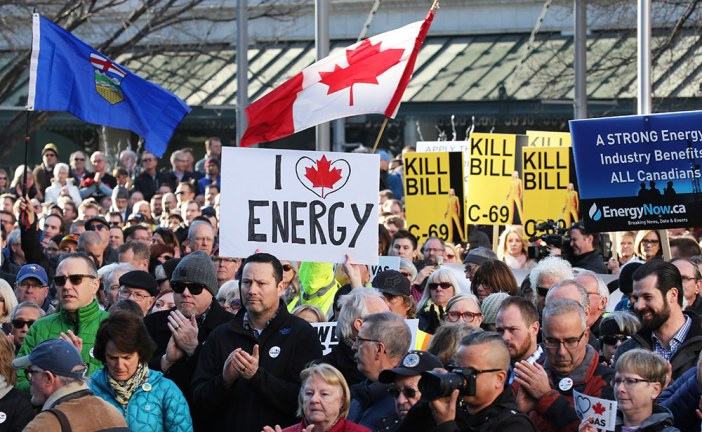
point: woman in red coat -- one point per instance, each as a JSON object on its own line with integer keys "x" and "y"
{"x": 323, "y": 403}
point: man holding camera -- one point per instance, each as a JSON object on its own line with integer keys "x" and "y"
{"x": 487, "y": 403}
{"x": 585, "y": 250}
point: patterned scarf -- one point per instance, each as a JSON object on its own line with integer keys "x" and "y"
{"x": 125, "y": 389}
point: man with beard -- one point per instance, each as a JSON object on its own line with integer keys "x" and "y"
{"x": 433, "y": 250}
{"x": 666, "y": 329}
{"x": 517, "y": 323}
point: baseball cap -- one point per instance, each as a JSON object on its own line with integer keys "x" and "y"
{"x": 479, "y": 255}
{"x": 70, "y": 238}
{"x": 412, "y": 364}
{"x": 33, "y": 271}
{"x": 56, "y": 356}
{"x": 97, "y": 219}
{"x": 392, "y": 282}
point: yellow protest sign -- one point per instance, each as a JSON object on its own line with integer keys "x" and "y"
{"x": 548, "y": 190}
{"x": 495, "y": 187}
{"x": 434, "y": 204}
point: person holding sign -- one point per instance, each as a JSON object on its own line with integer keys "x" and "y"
{"x": 640, "y": 377}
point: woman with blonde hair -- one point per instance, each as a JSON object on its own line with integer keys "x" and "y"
{"x": 513, "y": 249}
{"x": 17, "y": 185}
{"x": 323, "y": 402}
{"x": 8, "y": 301}
{"x": 12, "y": 401}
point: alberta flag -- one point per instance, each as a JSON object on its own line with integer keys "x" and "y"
{"x": 66, "y": 74}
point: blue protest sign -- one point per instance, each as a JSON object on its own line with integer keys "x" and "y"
{"x": 639, "y": 172}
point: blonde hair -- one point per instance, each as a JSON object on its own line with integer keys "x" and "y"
{"x": 7, "y": 354}
{"x": 502, "y": 245}
{"x": 650, "y": 365}
{"x": 331, "y": 376}
{"x": 10, "y": 302}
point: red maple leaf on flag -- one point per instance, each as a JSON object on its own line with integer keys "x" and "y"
{"x": 322, "y": 176}
{"x": 366, "y": 63}
{"x": 599, "y": 408}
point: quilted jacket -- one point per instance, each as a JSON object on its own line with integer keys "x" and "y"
{"x": 158, "y": 406}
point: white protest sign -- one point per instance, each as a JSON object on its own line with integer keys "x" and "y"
{"x": 327, "y": 334}
{"x": 448, "y": 146}
{"x": 602, "y": 411}
{"x": 385, "y": 263}
{"x": 303, "y": 206}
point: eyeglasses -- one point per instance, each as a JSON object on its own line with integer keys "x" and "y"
{"x": 166, "y": 257}
{"x": 444, "y": 285}
{"x": 649, "y": 242}
{"x": 628, "y": 382}
{"x": 450, "y": 256}
{"x": 287, "y": 267}
{"x": 204, "y": 239}
{"x": 96, "y": 227}
{"x": 79, "y": 160}
{"x": 180, "y": 192}
{"x": 359, "y": 340}
{"x": 76, "y": 279}
{"x": 19, "y": 323}
{"x": 148, "y": 160}
{"x": 3, "y": 178}
{"x": 125, "y": 294}
{"x": 613, "y": 339}
{"x": 466, "y": 316}
{"x": 434, "y": 250}
{"x": 409, "y": 393}
{"x": 25, "y": 285}
{"x": 689, "y": 278}
{"x": 570, "y": 343}
{"x": 219, "y": 260}
{"x": 193, "y": 288}
{"x": 29, "y": 373}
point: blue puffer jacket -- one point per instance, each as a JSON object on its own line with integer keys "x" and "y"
{"x": 158, "y": 406}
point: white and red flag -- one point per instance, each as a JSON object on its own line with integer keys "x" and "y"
{"x": 368, "y": 77}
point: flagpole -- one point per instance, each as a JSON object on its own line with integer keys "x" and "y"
{"x": 26, "y": 157}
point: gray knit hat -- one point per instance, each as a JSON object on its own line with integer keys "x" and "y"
{"x": 491, "y": 304}
{"x": 197, "y": 267}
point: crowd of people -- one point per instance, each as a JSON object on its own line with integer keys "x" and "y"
{"x": 121, "y": 314}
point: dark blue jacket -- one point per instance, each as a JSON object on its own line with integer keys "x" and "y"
{"x": 682, "y": 397}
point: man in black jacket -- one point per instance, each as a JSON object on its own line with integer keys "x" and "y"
{"x": 585, "y": 247}
{"x": 248, "y": 373}
{"x": 179, "y": 333}
{"x": 666, "y": 329}
{"x": 484, "y": 359}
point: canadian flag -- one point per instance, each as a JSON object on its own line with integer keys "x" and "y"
{"x": 368, "y": 77}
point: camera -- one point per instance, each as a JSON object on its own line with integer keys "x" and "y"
{"x": 556, "y": 236}
{"x": 434, "y": 385}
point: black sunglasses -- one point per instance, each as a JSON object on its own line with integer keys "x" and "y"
{"x": 76, "y": 279}
{"x": 409, "y": 393}
{"x": 287, "y": 267}
{"x": 193, "y": 287}
{"x": 19, "y": 323}
{"x": 445, "y": 285}
{"x": 96, "y": 227}
{"x": 612, "y": 340}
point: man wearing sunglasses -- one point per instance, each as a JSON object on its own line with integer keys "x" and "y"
{"x": 405, "y": 384}
{"x": 99, "y": 225}
{"x": 179, "y": 333}
{"x": 249, "y": 370}
{"x": 22, "y": 317}
{"x": 77, "y": 283}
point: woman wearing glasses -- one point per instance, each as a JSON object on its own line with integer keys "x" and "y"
{"x": 648, "y": 245}
{"x": 639, "y": 379}
{"x": 8, "y": 301}
{"x": 148, "y": 401}
{"x": 441, "y": 286}
{"x": 493, "y": 276}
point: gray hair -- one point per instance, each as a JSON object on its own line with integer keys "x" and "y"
{"x": 552, "y": 266}
{"x": 627, "y": 322}
{"x": 114, "y": 268}
{"x": 602, "y": 289}
{"x": 26, "y": 304}
{"x": 195, "y": 224}
{"x": 352, "y": 306}
{"x": 407, "y": 265}
{"x": 562, "y": 306}
{"x": 584, "y": 297}
{"x": 442, "y": 274}
{"x": 229, "y": 291}
{"x": 462, "y": 296}
{"x": 61, "y": 166}
{"x": 392, "y": 330}
{"x": 13, "y": 237}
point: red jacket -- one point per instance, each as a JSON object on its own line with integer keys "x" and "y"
{"x": 342, "y": 425}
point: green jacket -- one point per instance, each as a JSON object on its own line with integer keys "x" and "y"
{"x": 50, "y": 327}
